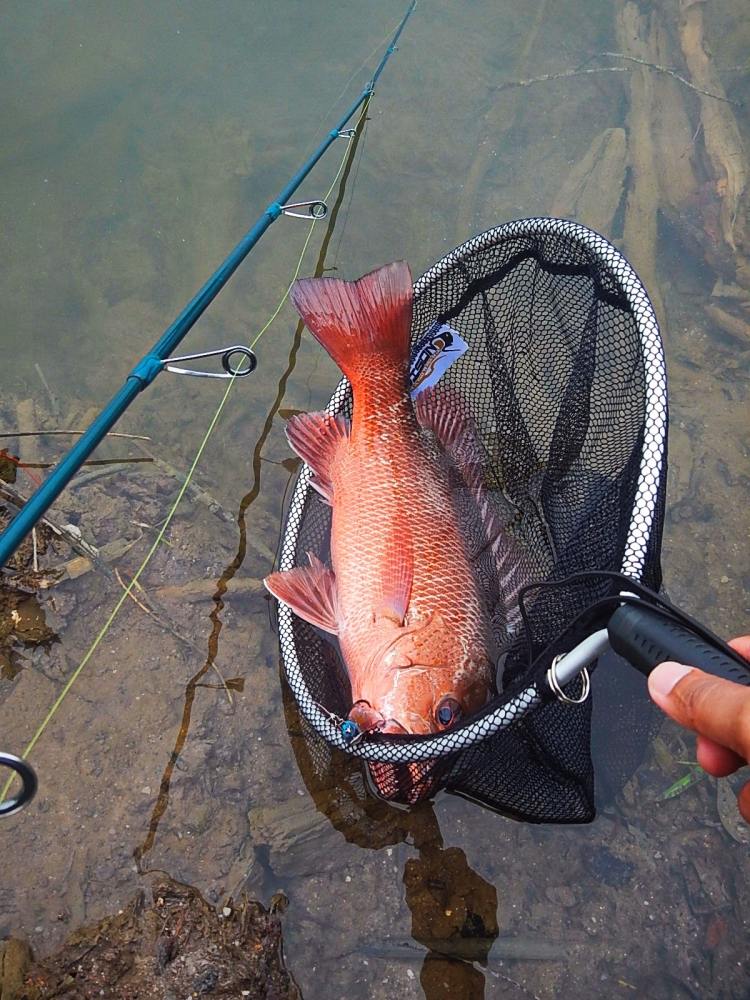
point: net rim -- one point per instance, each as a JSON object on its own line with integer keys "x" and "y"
{"x": 428, "y": 748}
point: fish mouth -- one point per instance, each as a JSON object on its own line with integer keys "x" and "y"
{"x": 394, "y": 726}
{"x": 365, "y": 716}
{"x": 369, "y": 719}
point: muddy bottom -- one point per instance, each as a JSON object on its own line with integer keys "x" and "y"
{"x": 167, "y": 943}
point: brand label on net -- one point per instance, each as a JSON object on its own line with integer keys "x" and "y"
{"x": 433, "y": 355}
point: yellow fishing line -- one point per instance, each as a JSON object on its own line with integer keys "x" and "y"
{"x": 327, "y": 195}
{"x": 173, "y": 509}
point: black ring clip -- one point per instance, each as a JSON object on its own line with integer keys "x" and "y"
{"x": 29, "y": 781}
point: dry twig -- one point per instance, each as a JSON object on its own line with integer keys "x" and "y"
{"x": 112, "y": 434}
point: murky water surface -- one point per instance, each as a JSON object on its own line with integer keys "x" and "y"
{"x": 139, "y": 142}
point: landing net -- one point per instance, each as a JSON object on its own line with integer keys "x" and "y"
{"x": 566, "y": 381}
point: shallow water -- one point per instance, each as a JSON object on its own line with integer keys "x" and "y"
{"x": 139, "y": 143}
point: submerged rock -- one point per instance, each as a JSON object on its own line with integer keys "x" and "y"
{"x": 593, "y": 189}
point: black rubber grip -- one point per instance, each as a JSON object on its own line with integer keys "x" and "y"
{"x": 645, "y": 638}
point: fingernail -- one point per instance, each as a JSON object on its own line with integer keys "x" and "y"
{"x": 665, "y": 676}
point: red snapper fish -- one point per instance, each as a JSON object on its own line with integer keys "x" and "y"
{"x": 401, "y": 594}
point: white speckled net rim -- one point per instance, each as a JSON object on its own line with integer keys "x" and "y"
{"x": 608, "y": 259}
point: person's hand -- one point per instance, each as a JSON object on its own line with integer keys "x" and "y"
{"x": 717, "y": 710}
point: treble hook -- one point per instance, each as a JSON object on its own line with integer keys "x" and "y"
{"x": 29, "y": 783}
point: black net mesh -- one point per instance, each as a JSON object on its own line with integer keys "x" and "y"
{"x": 566, "y": 382}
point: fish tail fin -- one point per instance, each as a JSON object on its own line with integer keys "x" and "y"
{"x": 356, "y": 321}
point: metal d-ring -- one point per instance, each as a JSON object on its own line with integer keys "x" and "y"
{"x": 29, "y": 783}
{"x": 556, "y": 687}
{"x": 226, "y": 353}
{"x": 316, "y": 209}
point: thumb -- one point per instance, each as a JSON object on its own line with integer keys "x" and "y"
{"x": 710, "y": 706}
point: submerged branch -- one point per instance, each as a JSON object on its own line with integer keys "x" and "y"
{"x": 673, "y": 73}
{"x": 497, "y": 121}
{"x": 566, "y": 73}
{"x": 562, "y": 75}
{"x": 72, "y": 537}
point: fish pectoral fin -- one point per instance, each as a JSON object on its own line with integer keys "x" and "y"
{"x": 310, "y": 591}
{"x": 386, "y": 612}
{"x": 316, "y": 438}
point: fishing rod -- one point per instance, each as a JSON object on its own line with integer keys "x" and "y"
{"x": 158, "y": 358}
{"x": 236, "y": 361}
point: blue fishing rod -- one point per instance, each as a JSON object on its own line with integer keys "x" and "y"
{"x": 236, "y": 362}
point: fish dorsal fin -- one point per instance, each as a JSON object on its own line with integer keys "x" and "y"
{"x": 358, "y": 320}
{"x": 393, "y": 589}
{"x": 310, "y": 591}
{"x": 447, "y": 416}
{"x": 316, "y": 438}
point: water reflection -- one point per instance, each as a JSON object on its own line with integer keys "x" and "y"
{"x": 453, "y": 912}
{"x": 453, "y": 909}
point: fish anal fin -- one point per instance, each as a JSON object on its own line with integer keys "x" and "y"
{"x": 316, "y": 438}
{"x": 310, "y": 591}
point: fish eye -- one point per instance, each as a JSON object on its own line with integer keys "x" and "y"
{"x": 447, "y": 712}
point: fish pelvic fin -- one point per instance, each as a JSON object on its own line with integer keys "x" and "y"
{"x": 358, "y": 321}
{"x": 310, "y": 591}
{"x": 392, "y": 591}
{"x": 316, "y": 438}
